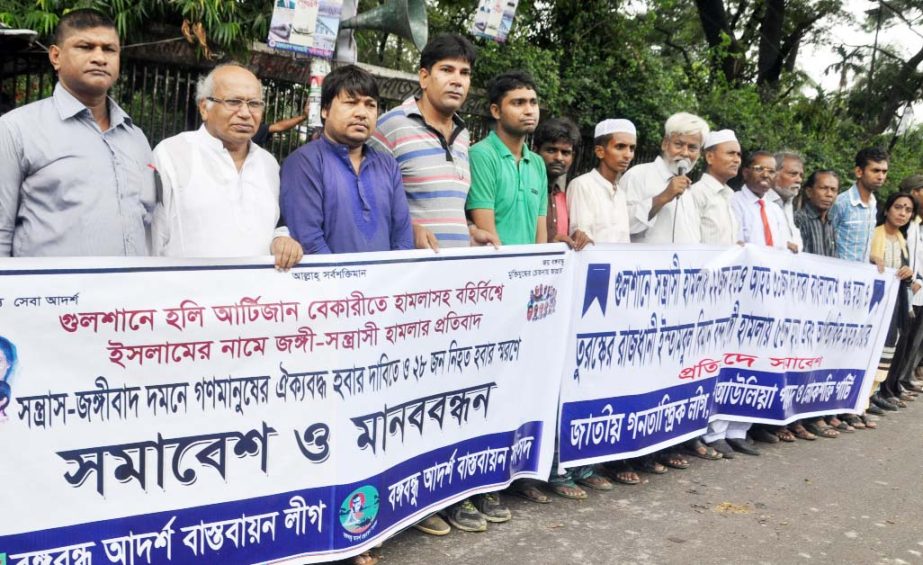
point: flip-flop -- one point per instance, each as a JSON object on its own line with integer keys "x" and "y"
{"x": 560, "y": 489}
{"x": 618, "y": 470}
{"x": 821, "y": 431}
{"x": 674, "y": 460}
{"x": 651, "y": 465}
{"x": 596, "y": 482}
{"x": 533, "y": 494}
{"x": 709, "y": 453}
{"x": 785, "y": 435}
{"x": 805, "y": 434}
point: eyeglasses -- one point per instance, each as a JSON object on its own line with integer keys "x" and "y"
{"x": 235, "y": 104}
{"x": 759, "y": 169}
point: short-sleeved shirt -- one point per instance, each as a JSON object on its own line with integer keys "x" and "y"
{"x": 516, "y": 192}
{"x": 434, "y": 169}
{"x": 853, "y": 221}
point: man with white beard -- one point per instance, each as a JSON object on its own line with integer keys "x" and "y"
{"x": 660, "y": 207}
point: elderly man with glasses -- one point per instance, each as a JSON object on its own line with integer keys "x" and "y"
{"x": 218, "y": 194}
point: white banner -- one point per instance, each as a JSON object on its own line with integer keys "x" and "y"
{"x": 667, "y": 338}
{"x": 202, "y": 412}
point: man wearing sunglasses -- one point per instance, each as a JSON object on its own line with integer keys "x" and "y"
{"x": 219, "y": 192}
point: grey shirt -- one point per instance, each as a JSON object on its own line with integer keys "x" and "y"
{"x": 69, "y": 189}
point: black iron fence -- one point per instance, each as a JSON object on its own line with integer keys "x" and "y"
{"x": 160, "y": 98}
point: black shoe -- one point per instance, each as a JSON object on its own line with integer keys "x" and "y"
{"x": 742, "y": 446}
{"x": 722, "y": 447}
{"x": 882, "y": 403}
{"x": 762, "y": 434}
{"x": 875, "y": 410}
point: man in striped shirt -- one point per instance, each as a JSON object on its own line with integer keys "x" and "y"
{"x": 430, "y": 142}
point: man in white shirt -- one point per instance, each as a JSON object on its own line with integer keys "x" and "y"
{"x": 595, "y": 202}
{"x": 711, "y": 194}
{"x": 787, "y": 183}
{"x": 659, "y": 207}
{"x": 220, "y": 191}
{"x": 761, "y": 222}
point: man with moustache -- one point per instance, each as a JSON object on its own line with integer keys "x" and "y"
{"x": 595, "y": 200}
{"x": 854, "y": 213}
{"x": 220, "y": 190}
{"x": 509, "y": 195}
{"x": 787, "y": 183}
{"x": 554, "y": 141}
{"x": 77, "y": 178}
{"x": 712, "y": 198}
{"x": 813, "y": 219}
{"x": 659, "y": 206}
{"x": 711, "y": 194}
{"x": 430, "y": 142}
{"x": 338, "y": 194}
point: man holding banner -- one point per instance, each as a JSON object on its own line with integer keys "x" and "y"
{"x": 220, "y": 191}
{"x": 338, "y": 194}
{"x": 509, "y": 195}
{"x": 430, "y": 142}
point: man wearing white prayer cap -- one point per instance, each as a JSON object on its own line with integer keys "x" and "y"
{"x": 595, "y": 202}
{"x": 711, "y": 194}
{"x": 660, "y": 209}
{"x": 719, "y": 226}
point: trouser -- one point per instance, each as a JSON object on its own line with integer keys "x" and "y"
{"x": 914, "y": 354}
{"x": 725, "y": 429}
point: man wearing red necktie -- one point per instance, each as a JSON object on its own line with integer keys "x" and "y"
{"x": 761, "y": 222}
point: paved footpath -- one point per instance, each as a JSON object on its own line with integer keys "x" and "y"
{"x": 854, "y": 499}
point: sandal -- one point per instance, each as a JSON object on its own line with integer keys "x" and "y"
{"x": 802, "y": 433}
{"x": 785, "y": 435}
{"x": 869, "y": 424}
{"x": 854, "y": 421}
{"x": 568, "y": 490}
{"x": 650, "y": 465}
{"x": 673, "y": 459}
{"x": 623, "y": 472}
{"x": 532, "y": 493}
{"x": 365, "y": 558}
{"x": 596, "y": 482}
{"x": 699, "y": 449}
{"x": 824, "y": 431}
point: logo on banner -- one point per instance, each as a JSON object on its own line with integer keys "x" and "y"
{"x": 359, "y": 510}
{"x": 878, "y": 293}
{"x": 543, "y": 300}
{"x": 597, "y": 286}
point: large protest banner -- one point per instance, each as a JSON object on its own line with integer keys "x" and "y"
{"x": 666, "y": 339}
{"x": 225, "y": 412}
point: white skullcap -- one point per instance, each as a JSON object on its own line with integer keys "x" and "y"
{"x": 606, "y": 127}
{"x": 720, "y": 136}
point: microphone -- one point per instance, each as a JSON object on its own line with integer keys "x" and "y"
{"x": 682, "y": 167}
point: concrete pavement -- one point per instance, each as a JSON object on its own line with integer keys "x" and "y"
{"x": 854, "y": 499}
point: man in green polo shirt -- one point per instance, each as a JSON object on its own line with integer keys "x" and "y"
{"x": 509, "y": 186}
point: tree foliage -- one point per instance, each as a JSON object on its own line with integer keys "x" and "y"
{"x": 734, "y": 62}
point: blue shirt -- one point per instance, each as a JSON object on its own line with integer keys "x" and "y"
{"x": 328, "y": 208}
{"x": 853, "y": 222}
{"x": 69, "y": 189}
